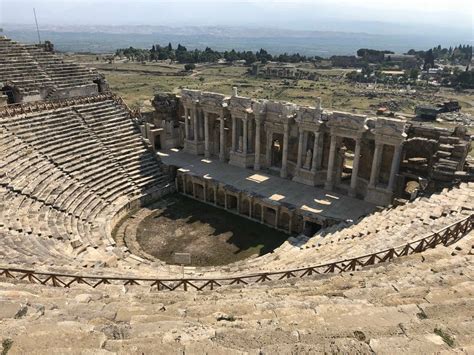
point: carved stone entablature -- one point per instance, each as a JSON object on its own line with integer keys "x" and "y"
{"x": 390, "y": 130}
{"x": 346, "y": 124}
{"x": 259, "y": 109}
{"x": 309, "y": 118}
{"x": 190, "y": 97}
{"x": 212, "y": 102}
{"x": 280, "y": 112}
{"x": 240, "y": 106}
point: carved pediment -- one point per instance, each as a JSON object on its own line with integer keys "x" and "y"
{"x": 239, "y": 104}
{"x": 390, "y": 127}
{"x": 347, "y": 121}
{"x": 259, "y": 108}
{"x": 190, "y": 96}
{"x": 212, "y": 99}
{"x": 308, "y": 114}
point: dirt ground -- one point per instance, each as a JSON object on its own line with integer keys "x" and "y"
{"x": 212, "y": 236}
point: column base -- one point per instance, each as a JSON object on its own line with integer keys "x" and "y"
{"x": 242, "y": 160}
{"x": 193, "y": 147}
{"x": 304, "y": 176}
{"x": 378, "y": 196}
{"x": 352, "y": 192}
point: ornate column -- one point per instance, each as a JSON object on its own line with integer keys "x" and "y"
{"x": 234, "y": 133}
{"x": 374, "y": 173}
{"x": 222, "y": 139}
{"x": 201, "y": 124}
{"x": 355, "y": 169}
{"x": 395, "y": 165}
{"x": 257, "y": 144}
{"x": 186, "y": 122}
{"x": 268, "y": 152}
{"x": 206, "y": 135}
{"x": 284, "y": 162}
{"x": 316, "y": 152}
{"x": 195, "y": 123}
{"x": 332, "y": 157}
{"x": 251, "y": 145}
{"x": 300, "y": 148}
{"x": 245, "y": 135}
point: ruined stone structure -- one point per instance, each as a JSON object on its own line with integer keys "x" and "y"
{"x": 356, "y": 155}
{"x": 31, "y": 73}
{"x": 281, "y": 70}
{"x": 76, "y": 173}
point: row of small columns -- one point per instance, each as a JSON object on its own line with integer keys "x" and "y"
{"x": 374, "y": 174}
{"x": 376, "y": 163}
{"x": 194, "y": 117}
{"x": 262, "y": 214}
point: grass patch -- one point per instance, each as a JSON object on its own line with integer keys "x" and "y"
{"x": 6, "y": 346}
{"x": 211, "y": 235}
{"x": 131, "y": 81}
{"x": 446, "y": 337}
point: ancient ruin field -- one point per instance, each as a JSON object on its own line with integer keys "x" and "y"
{"x": 210, "y": 235}
{"x": 137, "y": 83}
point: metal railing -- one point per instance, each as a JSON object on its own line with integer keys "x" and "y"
{"x": 445, "y": 236}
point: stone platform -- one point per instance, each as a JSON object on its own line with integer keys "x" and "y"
{"x": 307, "y": 198}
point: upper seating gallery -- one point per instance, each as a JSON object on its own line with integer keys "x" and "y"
{"x": 31, "y": 72}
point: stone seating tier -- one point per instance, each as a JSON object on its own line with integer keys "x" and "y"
{"x": 422, "y": 304}
{"x": 29, "y": 69}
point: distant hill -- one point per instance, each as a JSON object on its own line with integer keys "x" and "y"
{"x": 105, "y": 39}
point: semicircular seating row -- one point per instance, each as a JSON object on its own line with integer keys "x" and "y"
{"x": 65, "y": 173}
{"x": 31, "y": 67}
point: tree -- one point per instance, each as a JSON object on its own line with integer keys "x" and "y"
{"x": 189, "y": 67}
{"x": 429, "y": 60}
{"x": 414, "y": 74}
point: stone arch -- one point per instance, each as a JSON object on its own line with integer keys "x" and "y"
{"x": 220, "y": 197}
{"x": 245, "y": 206}
{"x": 189, "y": 187}
{"x": 284, "y": 220}
{"x": 210, "y": 194}
{"x": 232, "y": 202}
{"x": 199, "y": 191}
{"x": 11, "y": 93}
{"x": 257, "y": 211}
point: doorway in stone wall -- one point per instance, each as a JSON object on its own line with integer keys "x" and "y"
{"x": 8, "y": 91}
{"x": 157, "y": 142}
{"x": 277, "y": 150}
{"x": 346, "y": 159}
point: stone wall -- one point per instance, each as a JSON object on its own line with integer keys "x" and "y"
{"x": 349, "y": 153}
